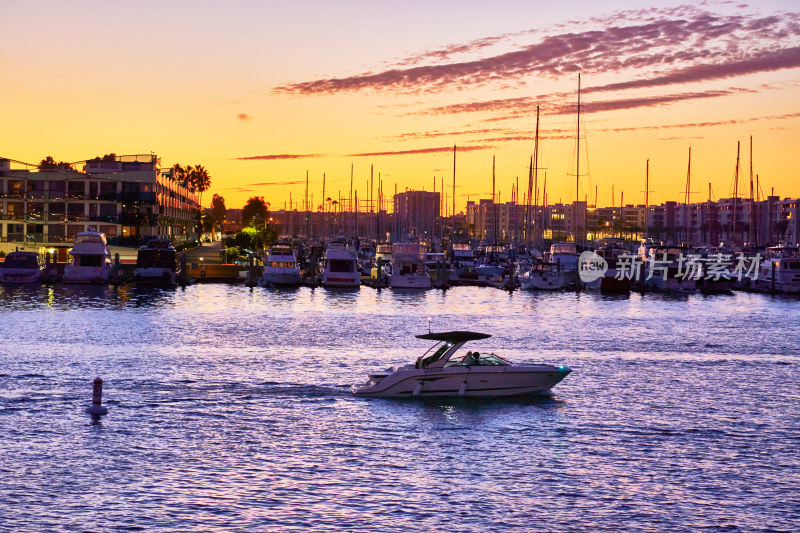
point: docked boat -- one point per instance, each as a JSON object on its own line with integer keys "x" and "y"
{"x": 542, "y": 277}
{"x": 340, "y": 266}
{"x": 463, "y": 261}
{"x": 664, "y": 270}
{"x": 280, "y": 268}
{"x": 611, "y": 250}
{"x": 156, "y": 264}
{"x": 21, "y": 267}
{"x": 383, "y": 258}
{"x": 91, "y": 260}
{"x": 408, "y": 267}
{"x": 438, "y": 267}
{"x": 780, "y": 272}
{"x": 439, "y": 372}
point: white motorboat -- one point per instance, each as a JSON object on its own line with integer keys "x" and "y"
{"x": 341, "y": 266}
{"x": 542, "y": 277}
{"x": 408, "y": 267}
{"x": 780, "y": 272}
{"x": 564, "y": 254}
{"x": 463, "y": 261}
{"x": 612, "y": 251}
{"x": 91, "y": 260}
{"x": 156, "y": 264}
{"x": 280, "y": 268}
{"x": 21, "y": 267}
{"x": 439, "y": 372}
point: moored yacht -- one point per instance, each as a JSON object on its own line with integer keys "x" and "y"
{"x": 91, "y": 260}
{"x": 611, "y": 250}
{"x": 408, "y": 267}
{"x": 280, "y": 268}
{"x": 21, "y": 267}
{"x": 383, "y": 257}
{"x": 341, "y": 266}
{"x": 156, "y": 264}
{"x": 542, "y": 277}
{"x": 780, "y": 271}
{"x": 439, "y": 372}
{"x": 463, "y": 260}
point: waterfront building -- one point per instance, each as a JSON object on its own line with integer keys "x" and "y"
{"x": 129, "y": 198}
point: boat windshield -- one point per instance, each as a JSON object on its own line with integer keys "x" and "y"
{"x": 20, "y": 261}
{"x": 438, "y": 354}
{"x": 477, "y": 359}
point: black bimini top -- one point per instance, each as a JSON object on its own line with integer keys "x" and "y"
{"x": 454, "y": 336}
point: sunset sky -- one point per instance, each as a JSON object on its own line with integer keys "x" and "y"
{"x": 261, "y": 92}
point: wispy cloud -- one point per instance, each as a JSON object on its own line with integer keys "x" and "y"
{"x": 437, "y": 150}
{"x": 277, "y": 156}
{"x": 691, "y": 44}
{"x": 273, "y": 183}
{"x": 244, "y": 116}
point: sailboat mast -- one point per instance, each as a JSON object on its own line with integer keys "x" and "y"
{"x": 736, "y": 189}
{"x": 494, "y": 204}
{"x": 578, "y": 159}
{"x": 688, "y": 189}
{"x": 535, "y": 167}
{"x": 646, "y": 195}
{"x": 752, "y": 203}
{"x": 453, "y": 219}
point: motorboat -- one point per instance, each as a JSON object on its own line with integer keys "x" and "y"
{"x": 156, "y": 264}
{"x": 564, "y": 254}
{"x": 438, "y": 266}
{"x": 463, "y": 260}
{"x": 665, "y": 269}
{"x": 408, "y": 267}
{"x": 383, "y": 259}
{"x": 21, "y": 267}
{"x": 612, "y": 251}
{"x": 780, "y": 272}
{"x": 91, "y": 260}
{"x": 340, "y": 266}
{"x": 439, "y": 372}
{"x": 280, "y": 268}
{"x": 542, "y": 277}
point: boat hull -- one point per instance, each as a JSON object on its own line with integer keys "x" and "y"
{"x": 20, "y": 276}
{"x": 88, "y": 275}
{"x": 409, "y": 282}
{"x": 466, "y": 381}
{"x": 280, "y": 279}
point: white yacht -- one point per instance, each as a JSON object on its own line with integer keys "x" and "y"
{"x": 542, "y": 277}
{"x": 156, "y": 264}
{"x": 21, "y": 267}
{"x": 408, "y": 267}
{"x": 280, "y": 268}
{"x": 564, "y": 254}
{"x": 341, "y": 266}
{"x": 611, "y": 250}
{"x": 463, "y": 261}
{"x": 661, "y": 270}
{"x": 780, "y": 271}
{"x": 91, "y": 260}
{"x": 439, "y": 372}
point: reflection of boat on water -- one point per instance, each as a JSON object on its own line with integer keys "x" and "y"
{"x": 439, "y": 373}
{"x": 280, "y": 268}
{"x": 91, "y": 261}
{"x": 341, "y": 266}
{"x": 156, "y": 264}
{"x": 21, "y": 267}
{"x": 408, "y": 267}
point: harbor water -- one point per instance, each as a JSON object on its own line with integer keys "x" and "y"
{"x": 230, "y": 410}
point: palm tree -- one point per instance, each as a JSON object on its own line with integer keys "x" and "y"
{"x": 200, "y": 181}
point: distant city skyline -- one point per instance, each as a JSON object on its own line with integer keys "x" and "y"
{"x": 260, "y": 94}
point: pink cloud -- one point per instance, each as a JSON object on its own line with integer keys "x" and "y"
{"x": 277, "y": 156}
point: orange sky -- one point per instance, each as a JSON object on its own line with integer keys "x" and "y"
{"x": 260, "y": 93}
